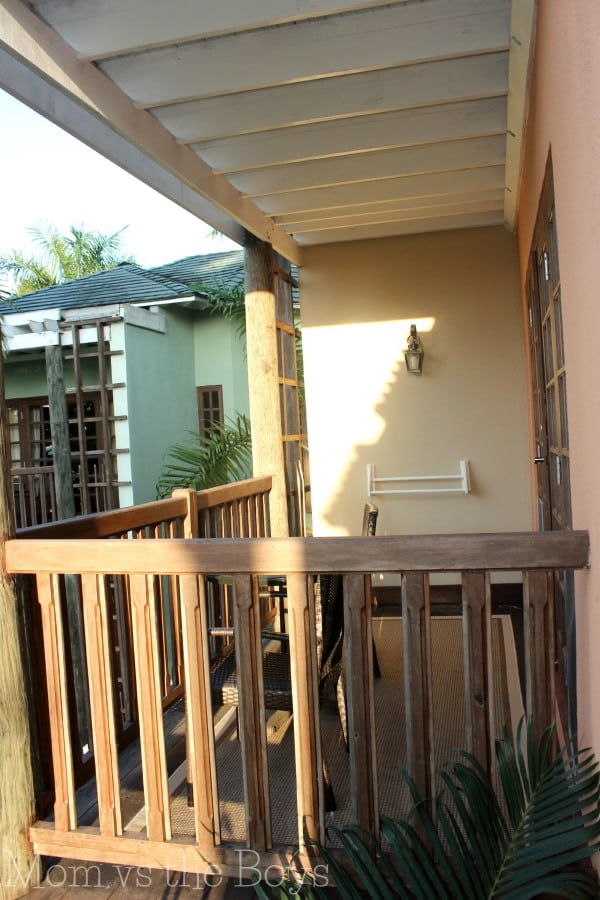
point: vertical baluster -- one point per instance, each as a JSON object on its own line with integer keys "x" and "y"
{"x": 416, "y": 633}
{"x": 65, "y": 810}
{"x": 253, "y": 733}
{"x": 305, "y": 695}
{"x": 201, "y": 765}
{"x": 358, "y": 641}
{"x": 152, "y": 740}
{"x": 478, "y": 666}
{"x": 539, "y": 636}
{"x": 97, "y": 629}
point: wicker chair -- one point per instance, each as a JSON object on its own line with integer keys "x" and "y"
{"x": 276, "y": 665}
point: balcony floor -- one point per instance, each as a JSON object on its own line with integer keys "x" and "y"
{"x": 449, "y": 726}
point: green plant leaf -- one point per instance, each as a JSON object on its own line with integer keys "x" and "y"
{"x": 223, "y": 456}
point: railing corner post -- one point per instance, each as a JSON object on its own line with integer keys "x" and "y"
{"x": 190, "y": 522}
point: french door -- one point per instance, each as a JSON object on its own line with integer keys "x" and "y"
{"x": 551, "y": 427}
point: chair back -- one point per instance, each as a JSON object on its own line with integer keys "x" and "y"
{"x": 329, "y": 610}
{"x": 370, "y": 520}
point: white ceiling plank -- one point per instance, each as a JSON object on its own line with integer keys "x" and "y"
{"x": 438, "y": 157}
{"x": 100, "y": 28}
{"x": 403, "y": 208}
{"x": 521, "y": 55}
{"x": 390, "y": 36}
{"x": 388, "y": 190}
{"x": 393, "y": 229}
{"x": 428, "y": 84}
{"x": 473, "y": 118}
{"x": 361, "y": 219}
{"x": 50, "y": 61}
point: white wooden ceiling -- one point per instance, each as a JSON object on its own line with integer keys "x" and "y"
{"x": 303, "y": 121}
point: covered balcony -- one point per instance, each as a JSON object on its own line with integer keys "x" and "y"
{"x": 160, "y": 591}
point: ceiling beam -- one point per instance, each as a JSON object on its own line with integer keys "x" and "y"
{"x": 522, "y": 30}
{"x": 374, "y": 39}
{"x": 81, "y": 99}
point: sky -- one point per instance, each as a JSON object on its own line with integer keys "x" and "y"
{"x": 49, "y": 177}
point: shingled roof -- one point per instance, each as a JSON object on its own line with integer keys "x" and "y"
{"x": 129, "y": 283}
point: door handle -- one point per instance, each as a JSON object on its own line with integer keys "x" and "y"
{"x": 539, "y": 459}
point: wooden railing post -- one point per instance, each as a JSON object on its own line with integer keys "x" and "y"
{"x": 305, "y": 693}
{"x": 65, "y": 810}
{"x": 152, "y": 738}
{"x": 478, "y": 666}
{"x": 358, "y": 641}
{"x": 190, "y": 522}
{"x": 416, "y": 635}
{"x": 251, "y": 710}
{"x": 97, "y": 631}
{"x": 200, "y": 739}
{"x": 539, "y": 637}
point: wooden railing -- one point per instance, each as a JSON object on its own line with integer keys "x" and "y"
{"x": 142, "y": 565}
{"x": 240, "y": 509}
{"x": 34, "y": 495}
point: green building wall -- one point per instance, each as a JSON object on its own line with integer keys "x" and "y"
{"x": 161, "y": 397}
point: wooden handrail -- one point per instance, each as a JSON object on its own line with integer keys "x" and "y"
{"x": 108, "y": 524}
{"x": 119, "y": 521}
{"x": 268, "y": 556}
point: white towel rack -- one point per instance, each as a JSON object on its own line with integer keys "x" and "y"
{"x": 445, "y": 487}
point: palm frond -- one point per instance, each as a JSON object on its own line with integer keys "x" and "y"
{"x": 62, "y": 257}
{"x": 229, "y": 302}
{"x": 224, "y": 455}
{"x": 528, "y": 840}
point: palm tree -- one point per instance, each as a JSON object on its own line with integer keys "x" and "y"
{"x": 62, "y": 257}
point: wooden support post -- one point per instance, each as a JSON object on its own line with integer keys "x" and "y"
{"x": 59, "y": 430}
{"x": 253, "y": 732}
{"x": 305, "y": 693}
{"x": 416, "y": 634}
{"x": 358, "y": 640}
{"x": 65, "y": 509}
{"x": 478, "y": 666}
{"x": 263, "y": 381}
{"x": 19, "y": 870}
{"x": 539, "y": 639}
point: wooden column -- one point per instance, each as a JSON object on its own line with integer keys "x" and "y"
{"x": 65, "y": 509}
{"x": 18, "y": 869}
{"x": 263, "y": 382}
{"x": 59, "y": 429}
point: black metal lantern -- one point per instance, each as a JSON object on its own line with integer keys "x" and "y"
{"x": 414, "y": 353}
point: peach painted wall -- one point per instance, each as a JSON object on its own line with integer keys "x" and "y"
{"x": 565, "y": 117}
{"x": 358, "y": 301}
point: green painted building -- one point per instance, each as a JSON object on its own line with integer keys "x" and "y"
{"x": 146, "y": 365}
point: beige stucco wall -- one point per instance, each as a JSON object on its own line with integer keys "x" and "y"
{"x": 564, "y": 116}
{"x": 358, "y": 300}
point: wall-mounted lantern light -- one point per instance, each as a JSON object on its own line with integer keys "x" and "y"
{"x": 414, "y": 353}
